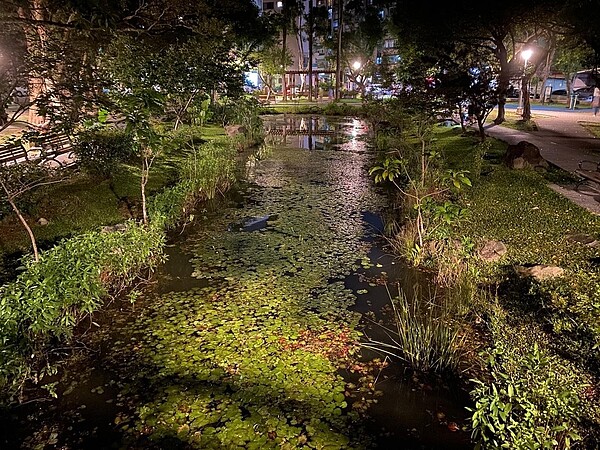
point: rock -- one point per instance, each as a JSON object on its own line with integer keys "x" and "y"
{"x": 43, "y": 222}
{"x": 113, "y": 228}
{"x": 582, "y": 238}
{"x": 524, "y": 155}
{"x": 540, "y": 272}
{"x": 492, "y": 251}
{"x": 234, "y": 130}
{"x": 453, "y": 426}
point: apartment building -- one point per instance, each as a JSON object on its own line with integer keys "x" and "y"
{"x": 323, "y": 60}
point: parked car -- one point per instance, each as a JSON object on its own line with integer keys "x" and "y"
{"x": 559, "y": 92}
{"x": 585, "y": 94}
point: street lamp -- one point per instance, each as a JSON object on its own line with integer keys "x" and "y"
{"x": 356, "y": 65}
{"x": 525, "y": 54}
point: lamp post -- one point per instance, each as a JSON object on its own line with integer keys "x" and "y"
{"x": 525, "y": 54}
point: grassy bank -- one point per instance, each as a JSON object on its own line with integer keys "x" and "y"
{"x": 530, "y": 345}
{"x": 48, "y": 298}
{"x": 84, "y": 202}
{"x": 538, "y": 226}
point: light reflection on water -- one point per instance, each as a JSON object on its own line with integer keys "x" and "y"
{"x": 317, "y": 132}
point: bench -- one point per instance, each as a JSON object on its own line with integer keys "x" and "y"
{"x": 589, "y": 171}
{"x": 12, "y": 153}
{"x": 53, "y": 150}
{"x": 56, "y": 149}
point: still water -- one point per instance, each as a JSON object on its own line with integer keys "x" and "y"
{"x": 247, "y": 336}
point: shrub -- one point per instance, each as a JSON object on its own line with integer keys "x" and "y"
{"x": 100, "y": 152}
{"x": 50, "y": 297}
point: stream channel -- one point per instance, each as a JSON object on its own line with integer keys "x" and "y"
{"x": 238, "y": 340}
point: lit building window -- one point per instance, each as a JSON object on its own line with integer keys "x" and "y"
{"x": 280, "y": 4}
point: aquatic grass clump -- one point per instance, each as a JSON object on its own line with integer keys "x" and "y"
{"x": 423, "y": 334}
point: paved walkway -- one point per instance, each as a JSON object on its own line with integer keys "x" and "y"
{"x": 562, "y": 141}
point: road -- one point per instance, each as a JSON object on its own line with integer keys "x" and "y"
{"x": 562, "y": 141}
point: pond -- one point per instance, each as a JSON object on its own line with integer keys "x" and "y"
{"x": 247, "y": 338}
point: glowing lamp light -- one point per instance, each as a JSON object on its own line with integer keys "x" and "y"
{"x": 526, "y": 54}
{"x": 356, "y": 65}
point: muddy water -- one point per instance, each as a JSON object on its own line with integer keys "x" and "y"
{"x": 234, "y": 345}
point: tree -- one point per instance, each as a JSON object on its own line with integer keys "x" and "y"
{"x": 582, "y": 18}
{"x": 502, "y": 30}
{"x": 64, "y": 40}
{"x": 572, "y": 55}
{"x": 18, "y": 179}
{"x": 271, "y": 64}
{"x": 365, "y": 31}
{"x": 292, "y": 9}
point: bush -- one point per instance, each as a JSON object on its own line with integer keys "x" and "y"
{"x": 337, "y": 108}
{"x": 100, "y": 152}
{"x": 50, "y": 297}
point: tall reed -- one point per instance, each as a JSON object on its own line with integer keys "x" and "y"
{"x": 423, "y": 333}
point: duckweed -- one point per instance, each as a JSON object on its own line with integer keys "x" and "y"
{"x": 253, "y": 360}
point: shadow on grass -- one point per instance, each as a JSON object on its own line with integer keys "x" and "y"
{"x": 526, "y": 303}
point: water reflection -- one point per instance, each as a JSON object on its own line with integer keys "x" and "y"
{"x": 316, "y": 132}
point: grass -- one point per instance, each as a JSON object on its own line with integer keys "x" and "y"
{"x": 535, "y": 223}
{"x": 592, "y": 127}
{"x": 83, "y": 203}
{"x": 516, "y": 122}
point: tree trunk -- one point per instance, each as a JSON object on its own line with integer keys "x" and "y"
{"x": 36, "y": 39}
{"x": 480, "y": 122}
{"x": 338, "y": 55}
{"x": 283, "y": 53}
{"x": 503, "y": 78}
{"x": 525, "y": 92}
{"x": 15, "y": 208}
{"x": 310, "y": 50}
{"x": 146, "y": 162}
{"x": 546, "y": 70}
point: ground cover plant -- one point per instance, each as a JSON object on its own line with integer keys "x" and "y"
{"x": 538, "y": 226}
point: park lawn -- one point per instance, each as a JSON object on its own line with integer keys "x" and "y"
{"x": 82, "y": 203}
{"x": 592, "y": 127}
{"x": 537, "y": 226}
